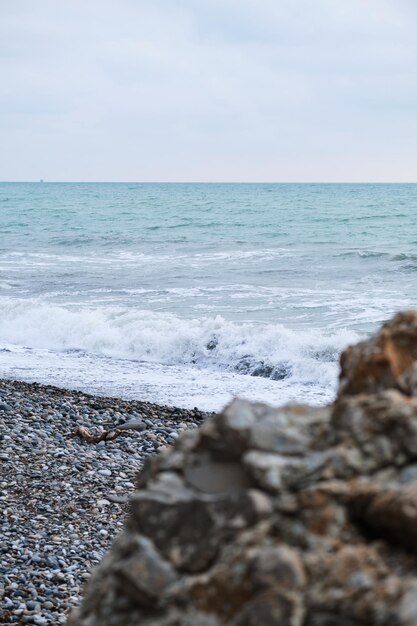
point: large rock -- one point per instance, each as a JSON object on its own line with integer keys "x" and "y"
{"x": 387, "y": 361}
{"x": 280, "y": 517}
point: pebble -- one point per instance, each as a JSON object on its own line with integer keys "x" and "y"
{"x": 64, "y": 500}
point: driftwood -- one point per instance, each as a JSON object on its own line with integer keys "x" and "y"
{"x": 89, "y": 437}
{"x": 106, "y": 435}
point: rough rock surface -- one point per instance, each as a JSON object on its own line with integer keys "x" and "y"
{"x": 292, "y": 516}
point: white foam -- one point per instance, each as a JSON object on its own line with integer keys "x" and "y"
{"x": 163, "y": 384}
{"x": 206, "y": 344}
{"x": 130, "y": 258}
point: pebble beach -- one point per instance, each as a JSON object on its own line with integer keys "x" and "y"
{"x": 62, "y": 497}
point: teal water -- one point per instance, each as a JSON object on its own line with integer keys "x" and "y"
{"x": 138, "y": 289}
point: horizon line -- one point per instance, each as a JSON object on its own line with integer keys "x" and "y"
{"x": 208, "y": 182}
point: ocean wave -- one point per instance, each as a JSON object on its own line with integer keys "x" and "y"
{"x": 133, "y": 257}
{"x": 364, "y": 254}
{"x": 266, "y": 350}
{"x": 375, "y": 254}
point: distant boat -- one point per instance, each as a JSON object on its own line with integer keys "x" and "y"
{"x": 41, "y": 180}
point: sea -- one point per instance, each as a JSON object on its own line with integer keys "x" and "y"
{"x": 192, "y": 294}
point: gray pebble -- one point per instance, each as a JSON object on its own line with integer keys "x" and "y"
{"x": 53, "y": 493}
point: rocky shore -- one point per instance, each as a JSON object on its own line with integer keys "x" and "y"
{"x": 63, "y": 497}
{"x": 289, "y": 516}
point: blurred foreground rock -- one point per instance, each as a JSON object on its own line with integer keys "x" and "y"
{"x": 280, "y": 517}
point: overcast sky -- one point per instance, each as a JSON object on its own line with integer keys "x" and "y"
{"x": 208, "y": 90}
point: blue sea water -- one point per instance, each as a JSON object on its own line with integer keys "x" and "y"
{"x": 189, "y": 294}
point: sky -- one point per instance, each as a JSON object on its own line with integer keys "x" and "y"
{"x": 208, "y": 90}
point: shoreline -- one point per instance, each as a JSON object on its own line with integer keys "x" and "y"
{"x": 63, "y": 498}
{"x": 85, "y": 395}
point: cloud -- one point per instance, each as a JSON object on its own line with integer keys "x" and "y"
{"x": 208, "y": 90}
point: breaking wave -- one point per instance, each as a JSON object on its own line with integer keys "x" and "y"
{"x": 266, "y": 350}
